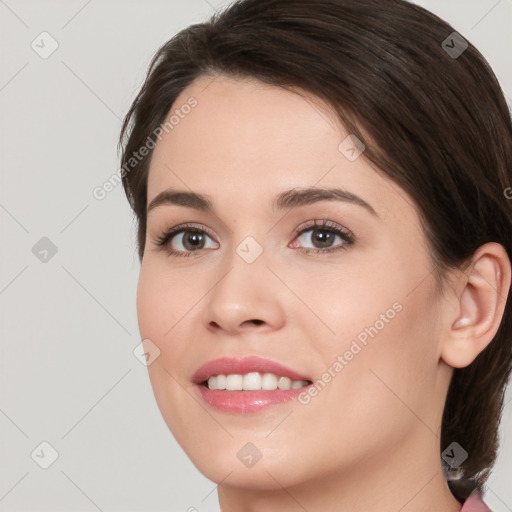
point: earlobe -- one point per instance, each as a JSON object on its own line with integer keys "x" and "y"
{"x": 481, "y": 303}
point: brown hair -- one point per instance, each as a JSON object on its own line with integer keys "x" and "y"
{"x": 433, "y": 120}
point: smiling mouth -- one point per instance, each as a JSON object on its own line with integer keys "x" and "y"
{"x": 253, "y": 381}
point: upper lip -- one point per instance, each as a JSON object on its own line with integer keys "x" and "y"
{"x": 241, "y": 366}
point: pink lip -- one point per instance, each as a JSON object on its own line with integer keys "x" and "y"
{"x": 244, "y": 401}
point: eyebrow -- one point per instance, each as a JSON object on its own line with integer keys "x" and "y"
{"x": 287, "y": 200}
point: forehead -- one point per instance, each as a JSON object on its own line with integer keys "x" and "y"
{"x": 245, "y": 140}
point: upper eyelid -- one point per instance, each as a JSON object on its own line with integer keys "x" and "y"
{"x": 324, "y": 223}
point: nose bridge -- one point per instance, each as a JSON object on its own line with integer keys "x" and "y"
{"x": 249, "y": 240}
{"x": 250, "y": 249}
{"x": 251, "y": 233}
{"x": 244, "y": 290}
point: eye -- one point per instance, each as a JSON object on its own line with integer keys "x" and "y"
{"x": 323, "y": 235}
{"x": 187, "y": 239}
{"x": 184, "y": 240}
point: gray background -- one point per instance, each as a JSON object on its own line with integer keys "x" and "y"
{"x": 68, "y": 329}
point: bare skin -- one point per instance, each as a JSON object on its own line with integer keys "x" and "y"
{"x": 370, "y": 439}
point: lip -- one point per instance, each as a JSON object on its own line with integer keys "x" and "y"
{"x": 242, "y": 402}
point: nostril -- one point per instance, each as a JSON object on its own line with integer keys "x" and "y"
{"x": 257, "y": 322}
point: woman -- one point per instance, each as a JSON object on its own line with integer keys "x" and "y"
{"x": 324, "y": 229}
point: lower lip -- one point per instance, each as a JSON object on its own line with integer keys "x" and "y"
{"x": 242, "y": 402}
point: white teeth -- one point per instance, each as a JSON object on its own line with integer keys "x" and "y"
{"x": 253, "y": 381}
{"x": 221, "y": 382}
{"x": 234, "y": 382}
{"x": 284, "y": 383}
{"x": 269, "y": 382}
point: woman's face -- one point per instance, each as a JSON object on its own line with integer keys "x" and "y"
{"x": 360, "y": 322}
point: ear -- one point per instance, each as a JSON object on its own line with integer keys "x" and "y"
{"x": 482, "y": 291}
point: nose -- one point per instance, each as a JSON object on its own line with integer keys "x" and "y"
{"x": 248, "y": 296}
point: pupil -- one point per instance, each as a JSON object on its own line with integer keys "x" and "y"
{"x": 322, "y": 236}
{"x": 196, "y": 239}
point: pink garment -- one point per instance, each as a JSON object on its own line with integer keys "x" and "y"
{"x": 475, "y": 503}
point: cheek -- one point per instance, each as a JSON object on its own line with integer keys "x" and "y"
{"x": 163, "y": 299}
{"x": 389, "y": 361}
{"x": 153, "y": 298}
{"x": 160, "y": 307}
{"x": 163, "y": 310}
{"x": 382, "y": 347}
{"x": 158, "y": 313}
{"x": 384, "y": 304}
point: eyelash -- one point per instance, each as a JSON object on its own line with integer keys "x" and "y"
{"x": 347, "y": 236}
